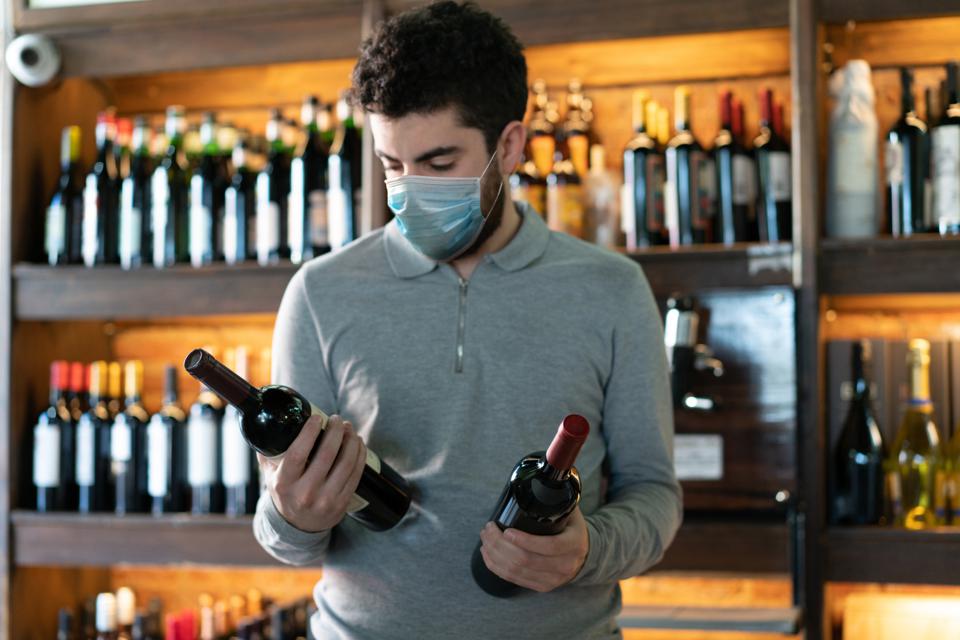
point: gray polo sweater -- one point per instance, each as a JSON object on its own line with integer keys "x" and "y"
{"x": 451, "y": 382}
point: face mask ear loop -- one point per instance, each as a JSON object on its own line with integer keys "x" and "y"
{"x": 487, "y": 216}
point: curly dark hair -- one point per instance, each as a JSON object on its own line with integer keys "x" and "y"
{"x": 441, "y": 55}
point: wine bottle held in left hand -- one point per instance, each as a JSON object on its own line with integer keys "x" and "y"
{"x": 542, "y": 493}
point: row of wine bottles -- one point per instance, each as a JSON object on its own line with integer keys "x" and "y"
{"x": 920, "y": 166}
{"x": 95, "y": 451}
{"x": 115, "y": 616}
{"x": 913, "y": 482}
{"x": 674, "y": 191}
{"x": 212, "y": 201}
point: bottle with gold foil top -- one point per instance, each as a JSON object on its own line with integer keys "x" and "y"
{"x": 915, "y": 475}
{"x": 565, "y": 201}
{"x": 690, "y": 178}
{"x": 576, "y": 129}
{"x": 114, "y": 389}
{"x": 93, "y": 447}
{"x": 541, "y": 142}
{"x": 643, "y": 176}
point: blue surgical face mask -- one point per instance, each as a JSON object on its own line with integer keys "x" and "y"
{"x": 441, "y": 217}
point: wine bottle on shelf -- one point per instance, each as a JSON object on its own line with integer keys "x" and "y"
{"x": 643, "y": 177}
{"x": 122, "y": 147}
{"x": 687, "y": 197}
{"x": 735, "y": 178}
{"x": 307, "y": 208}
{"x": 344, "y": 179}
{"x": 166, "y": 452}
{"x": 207, "y": 195}
{"x": 126, "y": 612}
{"x": 114, "y": 389}
{"x": 64, "y": 222}
{"x": 745, "y": 189}
{"x": 273, "y": 190}
{"x": 541, "y": 141}
{"x": 907, "y": 163}
{"x": 860, "y": 453}
{"x": 52, "y": 437}
{"x": 127, "y": 441}
{"x": 273, "y": 417}
{"x": 238, "y": 461}
{"x": 240, "y": 219}
{"x": 774, "y": 214}
{"x": 543, "y": 491}
{"x": 93, "y": 446}
{"x": 601, "y": 190}
{"x": 100, "y": 199}
{"x": 203, "y": 448}
{"x": 107, "y": 617}
{"x": 170, "y": 196}
{"x": 527, "y": 185}
{"x": 913, "y": 475}
{"x": 945, "y": 159}
{"x": 136, "y": 240}
{"x": 78, "y": 401}
{"x": 565, "y": 211}
{"x": 576, "y": 129}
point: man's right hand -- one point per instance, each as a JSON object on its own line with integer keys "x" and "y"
{"x": 312, "y": 492}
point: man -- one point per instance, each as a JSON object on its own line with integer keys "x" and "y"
{"x": 453, "y": 341}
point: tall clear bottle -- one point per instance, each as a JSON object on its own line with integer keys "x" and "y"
{"x": 915, "y": 476}
{"x": 170, "y": 197}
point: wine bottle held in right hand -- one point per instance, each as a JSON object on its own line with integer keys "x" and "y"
{"x": 542, "y": 493}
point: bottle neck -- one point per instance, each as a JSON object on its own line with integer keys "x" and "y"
{"x": 920, "y": 384}
{"x": 682, "y": 104}
{"x": 907, "y": 105}
{"x": 726, "y": 120}
{"x": 554, "y": 474}
{"x": 766, "y": 109}
{"x": 218, "y": 378}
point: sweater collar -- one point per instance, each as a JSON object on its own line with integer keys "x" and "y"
{"x": 524, "y": 248}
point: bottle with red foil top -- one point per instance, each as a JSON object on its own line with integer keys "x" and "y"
{"x": 543, "y": 491}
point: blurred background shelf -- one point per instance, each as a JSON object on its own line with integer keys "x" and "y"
{"x": 877, "y": 554}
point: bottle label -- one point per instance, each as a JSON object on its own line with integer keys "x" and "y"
{"x": 706, "y": 191}
{"x": 319, "y": 229}
{"x": 373, "y": 461}
{"x": 160, "y": 201}
{"x": 91, "y": 202}
{"x": 121, "y": 440}
{"x": 854, "y": 157}
{"x": 85, "y": 452}
{"x": 268, "y": 221}
{"x": 337, "y": 206}
{"x": 54, "y": 238}
{"x": 201, "y": 223}
{"x": 780, "y": 179}
{"x": 541, "y": 151}
{"x": 235, "y": 452}
{"x": 131, "y": 220}
{"x": 565, "y": 209}
{"x": 628, "y": 207}
{"x": 201, "y": 450}
{"x": 158, "y": 459}
{"x": 945, "y": 166}
{"x": 230, "y": 227}
{"x": 46, "y": 455}
{"x": 295, "y": 208}
{"x": 656, "y": 176}
{"x": 579, "y": 147}
{"x": 698, "y": 457}
{"x": 893, "y": 162}
{"x": 744, "y": 181}
{"x": 671, "y": 209}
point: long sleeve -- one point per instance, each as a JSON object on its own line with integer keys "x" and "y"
{"x": 298, "y": 363}
{"x": 630, "y": 533}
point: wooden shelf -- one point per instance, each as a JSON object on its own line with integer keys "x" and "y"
{"x": 747, "y": 620}
{"x": 107, "y": 540}
{"x": 879, "y": 554}
{"x": 741, "y": 266}
{"x": 919, "y": 264}
{"x": 74, "y": 293}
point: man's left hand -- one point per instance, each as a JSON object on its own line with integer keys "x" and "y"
{"x": 541, "y": 563}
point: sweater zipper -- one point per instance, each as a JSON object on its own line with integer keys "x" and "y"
{"x": 461, "y": 325}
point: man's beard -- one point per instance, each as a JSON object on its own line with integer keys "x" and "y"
{"x": 492, "y": 194}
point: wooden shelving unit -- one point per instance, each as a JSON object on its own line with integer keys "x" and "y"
{"x": 919, "y": 264}
{"x": 875, "y": 554}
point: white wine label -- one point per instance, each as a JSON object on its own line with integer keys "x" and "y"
{"x": 46, "y": 455}
{"x": 54, "y": 239}
{"x": 780, "y": 176}
{"x": 158, "y": 458}
{"x": 295, "y": 207}
{"x": 121, "y": 440}
{"x": 230, "y": 227}
{"x": 268, "y": 221}
{"x": 91, "y": 200}
{"x": 319, "y": 231}
{"x": 628, "y": 217}
{"x": 235, "y": 451}
{"x": 744, "y": 180}
{"x": 337, "y": 209}
{"x": 85, "y": 452}
{"x": 698, "y": 457}
{"x": 131, "y": 221}
{"x": 159, "y": 203}
{"x": 200, "y": 219}
{"x": 201, "y": 450}
{"x": 893, "y": 162}
{"x": 945, "y": 166}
